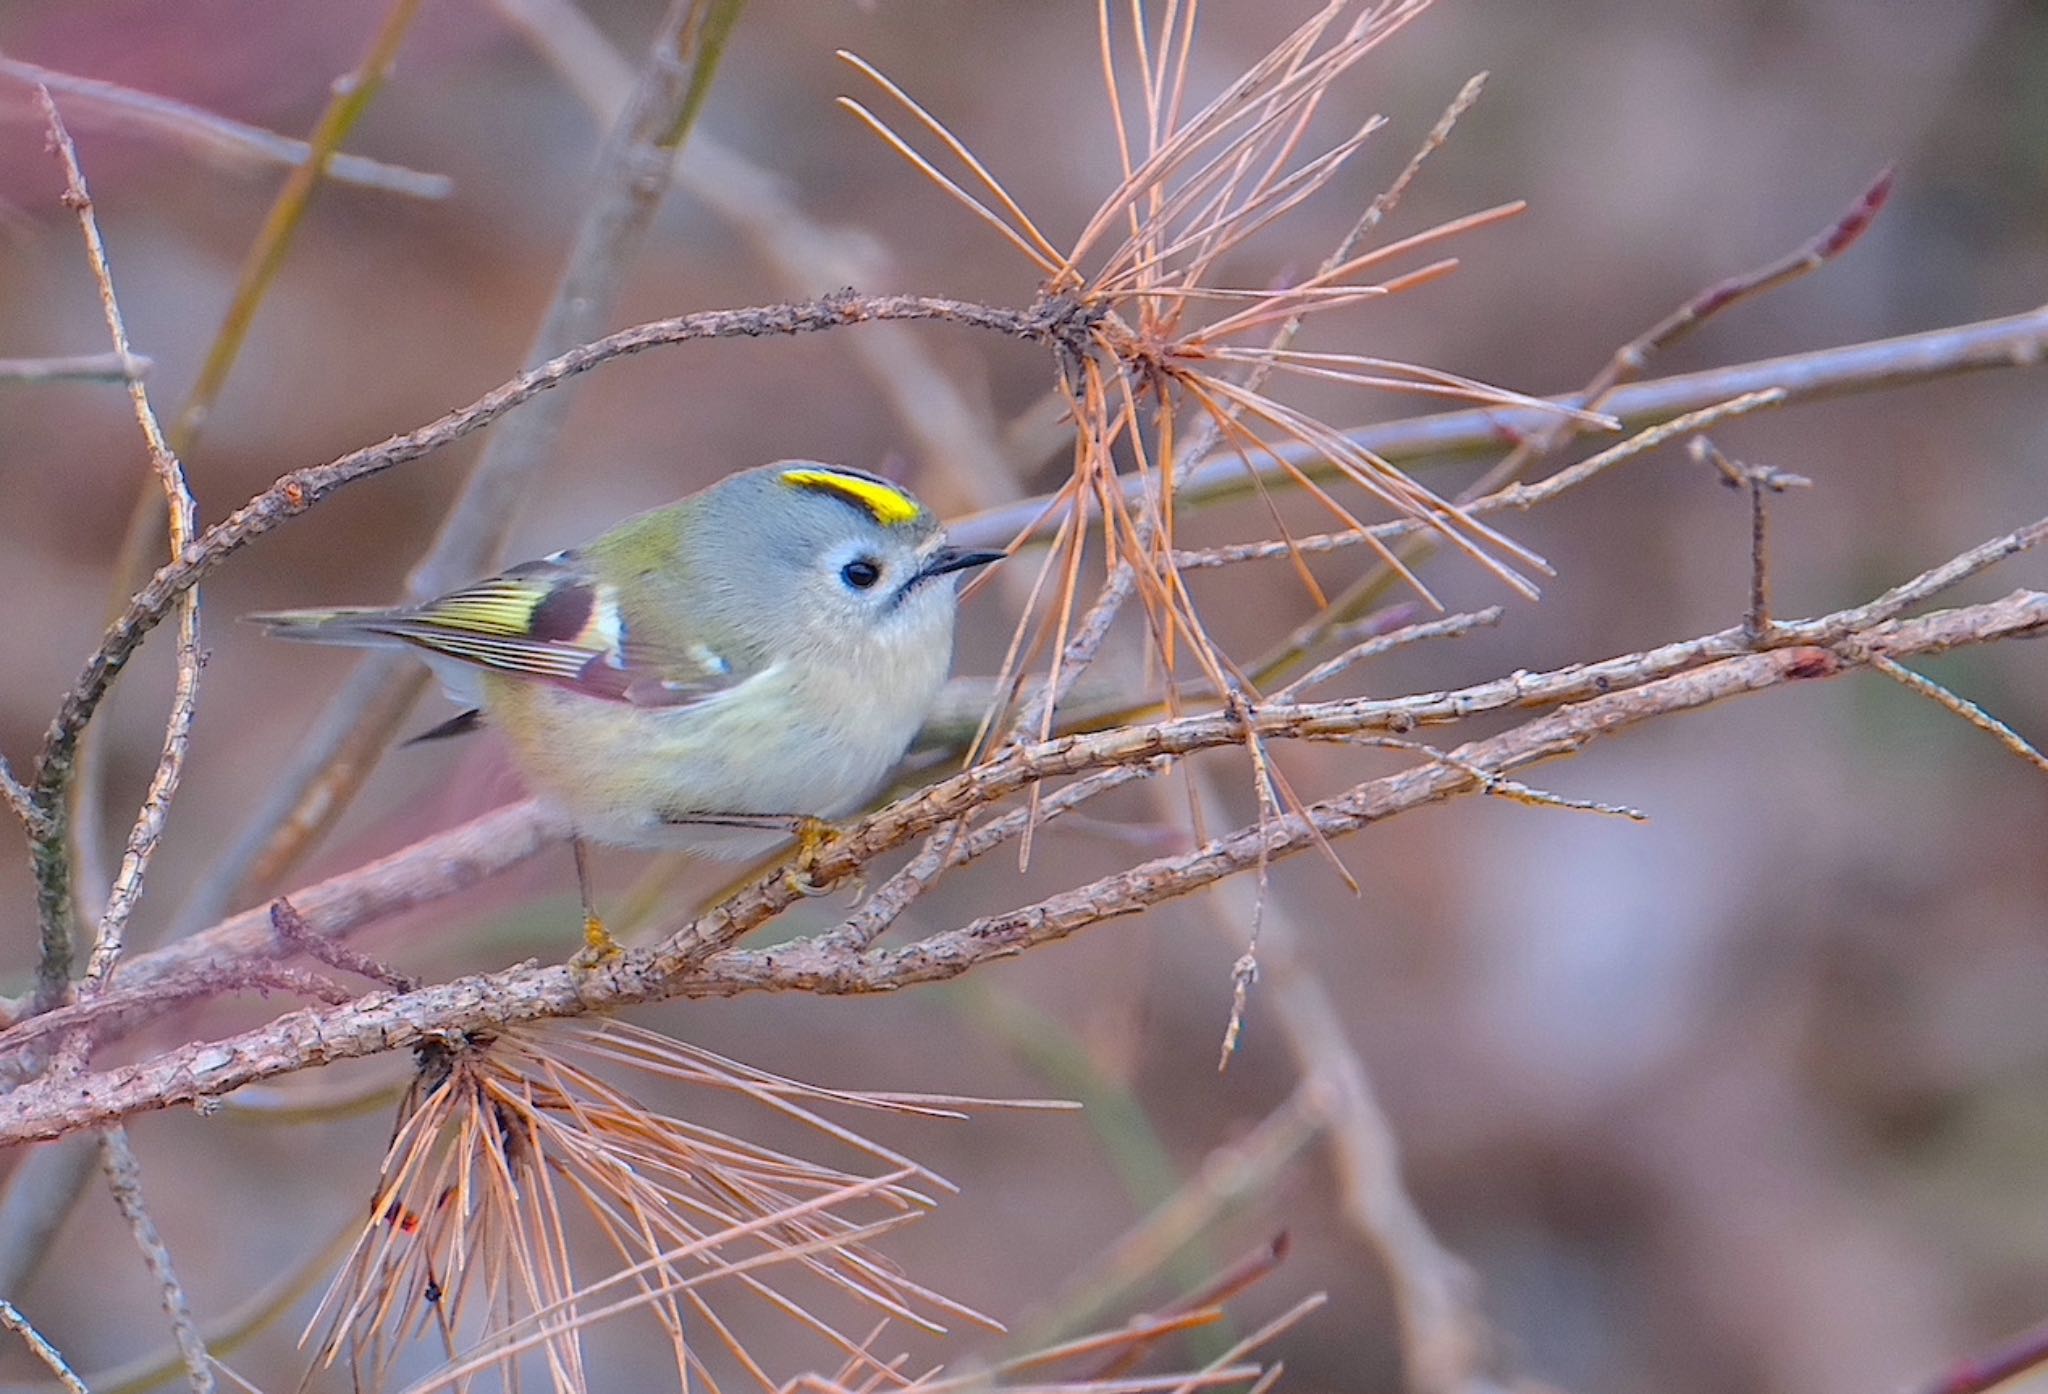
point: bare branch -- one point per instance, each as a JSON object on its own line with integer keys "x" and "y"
{"x": 449, "y": 862}
{"x": 183, "y": 521}
{"x": 697, "y": 960}
{"x": 19, "y": 800}
{"x": 293, "y": 930}
{"x": 1370, "y": 638}
{"x": 124, "y": 1176}
{"x": 88, "y": 367}
{"x": 2016, "y": 341}
{"x": 13, "y": 1320}
{"x": 211, "y": 134}
{"x": 52, "y": 853}
{"x": 1962, "y": 707}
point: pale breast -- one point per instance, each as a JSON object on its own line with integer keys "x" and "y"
{"x": 781, "y": 743}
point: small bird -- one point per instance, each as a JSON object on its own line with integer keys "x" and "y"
{"x": 755, "y": 657}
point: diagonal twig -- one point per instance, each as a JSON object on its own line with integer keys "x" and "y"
{"x": 13, "y": 1320}
{"x": 1962, "y": 707}
{"x": 697, "y": 960}
{"x": 332, "y": 760}
{"x": 53, "y": 972}
{"x": 261, "y": 264}
{"x": 124, "y": 1177}
{"x": 223, "y": 137}
{"x": 452, "y": 861}
{"x": 84, "y": 367}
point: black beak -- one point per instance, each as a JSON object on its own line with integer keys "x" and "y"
{"x": 949, "y": 559}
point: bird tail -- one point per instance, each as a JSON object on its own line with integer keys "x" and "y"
{"x": 359, "y": 626}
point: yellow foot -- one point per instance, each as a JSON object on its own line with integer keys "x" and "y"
{"x": 813, "y": 837}
{"x": 599, "y": 948}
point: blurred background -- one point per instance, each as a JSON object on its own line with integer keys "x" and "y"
{"x": 1752, "y": 1096}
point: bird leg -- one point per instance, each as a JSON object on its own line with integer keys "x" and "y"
{"x": 598, "y": 945}
{"x": 813, "y": 836}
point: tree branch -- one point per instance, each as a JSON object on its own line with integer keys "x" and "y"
{"x": 85, "y": 367}
{"x": 337, "y": 754}
{"x": 696, "y": 960}
{"x": 2016, "y": 341}
{"x": 52, "y": 846}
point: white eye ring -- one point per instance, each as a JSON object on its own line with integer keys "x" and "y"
{"x": 861, "y": 573}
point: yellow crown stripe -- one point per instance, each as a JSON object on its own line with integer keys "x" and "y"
{"x": 890, "y": 506}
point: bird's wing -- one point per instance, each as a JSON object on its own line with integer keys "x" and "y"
{"x": 550, "y": 620}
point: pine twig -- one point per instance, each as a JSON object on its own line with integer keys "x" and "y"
{"x": 55, "y": 900}
{"x": 634, "y": 169}
{"x": 124, "y": 1176}
{"x": 84, "y": 367}
{"x": 352, "y": 94}
{"x": 1962, "y": 707}
{"x": 699, "y": 959}
{"x": 1757, "y": 481}
{"x": 448, "y": 862}
{"x": 13, "y": 1320}
{"x": 223, "y": 138}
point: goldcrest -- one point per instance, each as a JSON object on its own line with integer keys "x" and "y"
{"x": 739, "y": 664}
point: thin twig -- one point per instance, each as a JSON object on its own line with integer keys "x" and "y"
{"x": 293, "y": 930}
{"x": 1962, "y": 707}
{"x": 53, "y": 975}
{"x": 2015, "y": 341}
{"x": 229, "y": 140}
{"x": 124, "y": 1177}
{"x": 1370, "y": 638}
{"x": 105, "y": 1013}
{"x": 331, "y": 760}
{"x": 85, "y": 367}
{"x": 452, "y": 861}
{"x": 1499, "y": 786}
{"x": 19, "y": 800}
{"x": 352, "y": 94}
{"x": 1444, "y": 1334}
{"x": 1756, "y": 481}
{"x": 698, "y": 959}
{"x": 13, "y": 1320}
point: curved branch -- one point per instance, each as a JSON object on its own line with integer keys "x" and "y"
{"x": 691, "y": 963}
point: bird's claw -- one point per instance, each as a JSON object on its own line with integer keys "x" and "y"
{"x": 813, "y": 837}
{"x": 599, "y": 948}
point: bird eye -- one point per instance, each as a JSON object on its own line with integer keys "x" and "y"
{"x": 860, "y": 573}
